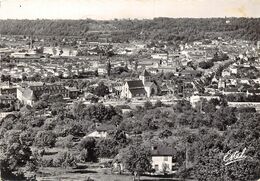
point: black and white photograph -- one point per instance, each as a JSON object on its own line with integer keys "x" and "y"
{"x": 129, "y": 90}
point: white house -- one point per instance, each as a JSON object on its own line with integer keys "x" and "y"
{"x": 162, "y": 159}
{"x": 233, "y": 70}
{"x": 102, "y": 70}
{"x": 101, "y": 131}
{"x": 226, "y": 73}
{"x": 98, "y": 134}
{"x": 162, "y": 56}
{"x": 26, "y": 96}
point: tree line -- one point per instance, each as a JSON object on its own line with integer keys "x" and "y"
{"x": 168, "y": 29}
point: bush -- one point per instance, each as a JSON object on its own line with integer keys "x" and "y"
{"x": 89, "y": 145}
{"x": 38, "y": 122}
{"x": 158, "y": 103}
{"x": 206, "y": 64}
{"x": 83, "y": 155}
{"x": 64, "y": 159}
{"x": 45, "y": 139}
{"x": 64, "y": 142}
{"x": 148, "y": 105}
{"x": 165, "y": 134}
{"x": 46, "y": 162}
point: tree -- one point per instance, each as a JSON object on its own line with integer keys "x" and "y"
{"x": 107, "y": 148}
{"x": 64, "y": 159}
{"x": 165, "y": 134}
{"x": 14, "y": 155}
{"x": 39, "y": 50}
{"x": 108, "y": 68}
{"x": 148, "y": 105}
{"x": 88, "y": 148}
{"x": 61, "y": 52}
{"x": 223, "y": 117}
{"x": 101, "y": 90}
{"x": 137, "y": 159}
{"x": 45, "y": 139}
{"x": 212, "y": 147}
{"x": 99, "y": 113}
{"x": 206, "y": 64}
{"x": 158, "y": 103}
{"x": 39, "y": 105}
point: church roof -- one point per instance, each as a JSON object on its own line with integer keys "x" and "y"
{"x": 145, "y": 73}
{"x": 135, "y": 84}
{"x": 137, "y": 91}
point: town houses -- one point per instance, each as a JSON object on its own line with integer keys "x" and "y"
{"x": 126, "y": 106}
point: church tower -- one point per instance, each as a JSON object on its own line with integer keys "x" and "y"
{"x": 145, "y": 76}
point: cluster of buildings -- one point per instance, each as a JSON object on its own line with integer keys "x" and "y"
{"x": 24, "y": 70}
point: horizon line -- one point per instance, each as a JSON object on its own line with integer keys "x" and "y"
{"x": 118, "y": 19}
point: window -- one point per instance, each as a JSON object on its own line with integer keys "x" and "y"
{"x": 165, "y": 158}
{"x": 156, "y": 167}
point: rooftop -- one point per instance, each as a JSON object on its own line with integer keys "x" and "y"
{"x": 145, "y": 73}
{"x": 161, "y": 150}
{"x": 133, "y": 84}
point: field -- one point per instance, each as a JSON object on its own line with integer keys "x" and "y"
{"x": 97, "y": 174}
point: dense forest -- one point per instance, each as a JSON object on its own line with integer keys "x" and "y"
{"x": 168, "y": 29}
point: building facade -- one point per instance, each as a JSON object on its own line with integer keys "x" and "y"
{"x": 140, "y": 88}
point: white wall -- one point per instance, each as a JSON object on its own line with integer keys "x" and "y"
{"x": 159, "y": 160}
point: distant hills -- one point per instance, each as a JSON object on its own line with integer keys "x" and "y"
{"x": 168, "y": 29}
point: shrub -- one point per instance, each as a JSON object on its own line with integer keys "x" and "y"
{"x": 165, "y": 134}
{"x": 64, "y": 142}
{"x": 64, "y": 159}
{"x": 46, "y": 162}
{"x": 158, "y": 103}
{"x": 38, "y": 122}
{"x": 89, "y": 145}
{"x": 148, "y": 105}
{"x": 45, "y": 139}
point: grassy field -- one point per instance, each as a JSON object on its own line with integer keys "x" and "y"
{"x": 97, "y": 174}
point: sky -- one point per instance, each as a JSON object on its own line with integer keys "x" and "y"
{"x": 141, "y": 9}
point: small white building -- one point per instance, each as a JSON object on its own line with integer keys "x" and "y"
{"x": 102, "y": 70}
{"x": 162, "y": 159}
{"x": 161, "y": 56}
{"x": 101, "y": 131}
{"x": 98, "y": 134}
{"x": 226, "y": 73}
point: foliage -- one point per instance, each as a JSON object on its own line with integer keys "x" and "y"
{"x": 64, "y": 159}
{"x": 158, "y": 103}
{"x": 88, "y": 147}
{"x": 14, "y": 156}
{"x": 165, "y": 134}
{"x": 64, "y": 142}
{"x": 101, "y": 90}
{"x": 45, "y": 139}
{"x": 206, "y": 64}
{"x": 167, "y": 29}
{"x": 137, "y": 158}
{"x": 148, "y": 105}
{"x": 107, "y": 148}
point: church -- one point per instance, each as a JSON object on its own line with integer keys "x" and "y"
{"x": 139, "y": 88}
